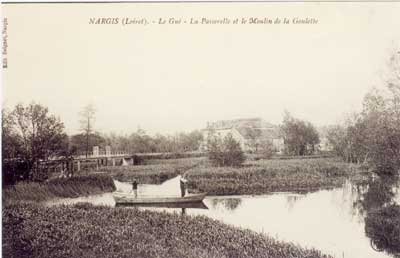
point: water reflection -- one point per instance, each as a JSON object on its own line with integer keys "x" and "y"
{"x": 379, "y": 192}
{"x": 292, "y": 199}
{"x": 380, "y": 205}
{"x": 229, "y": 204}
{"x": 105, "y": 199}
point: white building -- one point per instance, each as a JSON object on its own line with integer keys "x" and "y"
{"x": 251, "y": 133}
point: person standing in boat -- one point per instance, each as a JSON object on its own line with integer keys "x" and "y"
{"x": 134, "y": 187}
{"x": 183, "y": 183}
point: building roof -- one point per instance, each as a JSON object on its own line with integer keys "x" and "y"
{"x": 250, "y": 128}
{"x": 235, "y": 123}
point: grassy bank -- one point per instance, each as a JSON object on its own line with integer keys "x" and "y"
{"x": 60, "y": 187}
{"x": 87, "y": 231}
{"x": 155, "y": 173}
{"x": 263, "y": 176}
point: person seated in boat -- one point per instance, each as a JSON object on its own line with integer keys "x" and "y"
{"x": 134, "y": 187}
{"x": 183, "y": 182}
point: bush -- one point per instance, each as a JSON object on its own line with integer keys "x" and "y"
{"x": 267, "y": 150}
{"x": 225, "y": 152}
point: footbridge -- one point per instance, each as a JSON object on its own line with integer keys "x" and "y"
{"x": 100, "y": 158}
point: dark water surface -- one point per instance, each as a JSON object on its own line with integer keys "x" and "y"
{"x": 328, "y": 220}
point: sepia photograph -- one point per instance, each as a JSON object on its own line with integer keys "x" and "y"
{"x": 190, "y": 129}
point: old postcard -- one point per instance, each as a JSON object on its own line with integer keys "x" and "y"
{"x": 201, "y": 129}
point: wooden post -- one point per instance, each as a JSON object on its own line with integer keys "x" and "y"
{"x": 113, "y": 162}
{"x": 78, "y": 165}
{"x": 71, "y": 173}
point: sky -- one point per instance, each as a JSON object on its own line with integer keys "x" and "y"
{"x": 166, "y": 78}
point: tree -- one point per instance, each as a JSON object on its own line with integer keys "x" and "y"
{"x": 214, "y": 149}
{"x": 117, "y": 142}
{"x": 87, "y": 123}
{"x": 78, "y": 142}
{"x": 39, "y": 134}
{"x": 382, "y": 130}
{"x": 233, "y": 154}
{"x": 140, "y": 142}
{"x": 189, "y": 141}
{"x": 10, "y": 147}
{"x": 254, "y": 141}
{"x": 373, "y": 135}
{"x": 224, "y": 152}
{"x": 162, "y": 143}
{"x": 336, "y": 136}
{"x": 266, "y": 148}
{"x": 300, "y": 136}
{"x": 381, "y": 111}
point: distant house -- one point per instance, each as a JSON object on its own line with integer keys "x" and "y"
{"x": 251, "y": 133}
{"x": 324, "y": 145}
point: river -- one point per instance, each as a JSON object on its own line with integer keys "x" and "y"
{"x": 328, "y": 220}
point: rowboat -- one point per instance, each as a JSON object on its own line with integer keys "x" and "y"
{"x": 126, "y": 198}
{"x": 187, "y": 205}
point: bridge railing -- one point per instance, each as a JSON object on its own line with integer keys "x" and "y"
{"x": 102, "y": 154}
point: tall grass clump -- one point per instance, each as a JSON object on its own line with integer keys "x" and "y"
{"x": 264, "y": 176}
{"x": 58, "y": 188}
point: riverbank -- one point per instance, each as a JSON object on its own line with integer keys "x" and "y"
{"x": 156, "y": 172}
{"x": 265, "y": 176}
{"x": 256, "y": 176}
{"x": 83, "y": 230}
{"x": 58, "y": 188}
